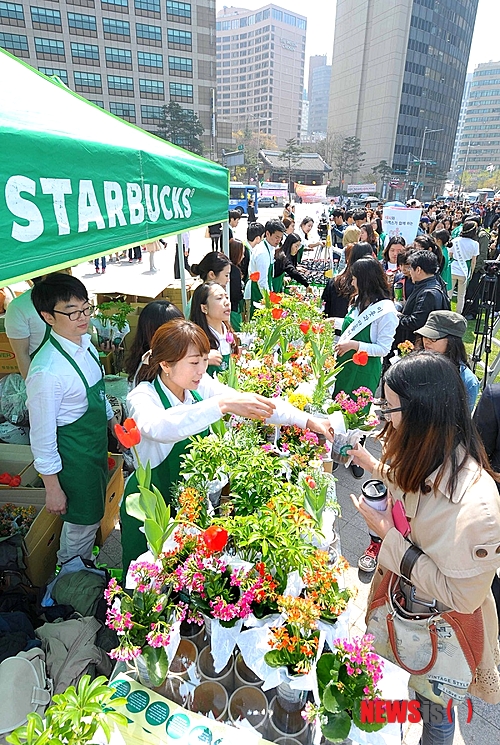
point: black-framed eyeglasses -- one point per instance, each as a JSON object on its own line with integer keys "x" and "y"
{"x": 75, "y": 315}
{"x": 386, "y": 412}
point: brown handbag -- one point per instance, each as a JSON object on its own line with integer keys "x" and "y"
{"x": 440, "y": 650}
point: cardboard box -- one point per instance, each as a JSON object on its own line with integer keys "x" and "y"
{"x": 8, "y": 362}
{"x": 41, "y": 545}
{"x": 114, "y": 493}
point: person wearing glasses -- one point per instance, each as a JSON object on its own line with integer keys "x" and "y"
{"x": 452, "y": 506}
{"x": 69, "y": 414}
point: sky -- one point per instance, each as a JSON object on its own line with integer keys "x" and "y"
{"x": 320, "y": 16}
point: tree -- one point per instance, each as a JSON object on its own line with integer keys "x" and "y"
{"x": 181, "y": 127}
{"x": 348, "y": 158}
{"x": 253, "y": 142}
{"x": 291, "y": 154}
{"x": 384, "y": 170}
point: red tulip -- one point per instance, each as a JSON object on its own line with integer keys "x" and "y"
{"x": 128, "y": 435}
{"x": 275, "y": 297}
{"x": 255, "y": 276}
{"x": 215, "y": 538}
{"x": 277, "y": 313}
{"x": 318, "y": 328}
{"x": 304, "y": 326}
{"x": 360, "y": 358}
{"x": 310, "y": 482}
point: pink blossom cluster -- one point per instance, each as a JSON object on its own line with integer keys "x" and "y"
{"x": 310, "y": 437}
{"x": 347, "y": 404}
{"x": 125, "y": 651}
{"x": 159, "y": 635}
{"x": 112, "y": 591}
{"x": 120, "y": 622}
{"x": 192, "y": 574}
{"x": 146, "y": 575}
{"x": 360, "y": 658}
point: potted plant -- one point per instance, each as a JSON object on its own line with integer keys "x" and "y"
{"x": 75, "y": 716}
{"x": 356, "y": 417}
{"x": 322, "y": 586}
{"x": 345, "y": 678}
{"x": 111, "y": 325}
{"x": 295, "y": 644}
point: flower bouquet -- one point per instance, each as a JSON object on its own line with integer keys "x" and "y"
{"x": 144, "y": 621}
{"x": 345, "y": 678}
{"x": 295, "y": 644}
{"x": 322, "y": 586}
{"x": 354, "y": 417}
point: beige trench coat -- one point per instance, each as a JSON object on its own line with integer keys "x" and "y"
{"x": 460, "y": 536}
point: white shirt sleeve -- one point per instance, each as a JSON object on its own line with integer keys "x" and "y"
{"x": 45, "y": 395}
{"x": 261, "y": 263}
{"x": 382, "y": 334}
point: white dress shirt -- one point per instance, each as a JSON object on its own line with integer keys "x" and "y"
{"x": 161, "y": 428}
{"x": 23, "y": 322}
{"x": 57, "y": 396}
{"x": 382, "y": 332}
{"x": 261, "y": 258}
{"x": 224, "y": 345}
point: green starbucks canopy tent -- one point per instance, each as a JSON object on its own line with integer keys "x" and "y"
{"x": 76, "y": 182}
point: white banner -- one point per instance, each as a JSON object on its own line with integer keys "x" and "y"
{"x": 361, "y": 188}
{"x": 401, "y": 221}
{"x": 370, "y": 314}
{"x": 309, "y": 193}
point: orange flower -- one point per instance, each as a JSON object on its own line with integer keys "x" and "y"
{"x": 255, "y": 276}
{"x": 128, "y": 435}
{"x": 277, "y": 313}
{"x": 304, "y": 326}
{"x": 360, "y": 358}
{"x": 275, "y": 297}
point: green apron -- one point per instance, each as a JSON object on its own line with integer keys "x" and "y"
{"x": 236, "y": 318}
{"x": 256, "y": 294}
{"x": 45, "y": 338}
{"x": 211, "y": 369}
{"x": 278, "y": 282}
{"x": 163, "y": 476}
{"x": 83, "y": 448}
{"x": 352, "y": 376}
{"x": 446, "y": 273}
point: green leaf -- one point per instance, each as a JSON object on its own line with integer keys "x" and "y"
{"x": 337, "y": 726}
{"x": 326, "y": 669}
{"x": 333, "y": 700}
{"x": 133, "y": 507}
{"x": 154, "y": 536}
{"x": 273, "y": 658}
{"x": 364, "y": 726}
{"x": 147, "y": 500}
{"x": 218, "y": 428}
{"x": 157, "y": 664}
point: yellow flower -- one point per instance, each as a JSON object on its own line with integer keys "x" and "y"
{"x": 299, "y": 400}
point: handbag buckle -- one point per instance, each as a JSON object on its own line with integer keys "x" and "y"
{"x": 428, "y": 604}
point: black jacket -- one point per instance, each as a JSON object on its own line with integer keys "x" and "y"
{"x": 428, "y": 295}
{"x": 283, "y": 264}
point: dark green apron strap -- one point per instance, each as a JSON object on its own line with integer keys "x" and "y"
{"x": 72, "y": 362}
{"x": 164, "y": 398}
{"x": 46, "y": 337}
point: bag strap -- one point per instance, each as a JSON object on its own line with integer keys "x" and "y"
{"x": 411, "y": 555}
{"x": 394, "y": 647}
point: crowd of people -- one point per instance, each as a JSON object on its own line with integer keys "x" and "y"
{"x": 387, "y": 294}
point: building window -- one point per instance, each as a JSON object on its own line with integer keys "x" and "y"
{"x": 49, "y": 49}
{"x": 12, "y": 14}
{"x": 180, "y": 12}
{"x": 151, "y": 113}
{"x": 118, "y": 57}
{"x": 15, "y": 43}
{"x": 181, "y": 92}
{"x": 150, "y": 8}
{"x": 88, "y": 82}
{"x": 119, "y": 85}
{"x": 85, "y": 54}
{"x": 114, "y": 29}
{"x": 96, "y": 103}
{"x": 79, "y": 23}
{"x": 63, "y": 74}
{"x": 125, "y": 110}
{"x": 179, "y": 39}
{"x": 149, "y": 60}
{"x": 122, "y": 6}
{"x": 180, "y": 66}
{"x": 152, "y": 88}
{"x": 144, "y": 31}
{"x": 46, "y": 18}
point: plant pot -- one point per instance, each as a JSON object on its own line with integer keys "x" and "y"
{"x": 142, "y": 672}
{"x": 195, "y": 633}
{"x": 244, "y": 676}
{"x": 185, "y": 659}
{"x": 208, "y": 698}
{"x": 207, "y": 672}
{"x": 285, "y": 718}
{"x": 249, "y": 703}
{"x": 344, "y": 442}
{"x": 287, "y": 741}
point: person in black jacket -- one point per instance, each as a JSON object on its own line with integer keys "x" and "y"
{"x": 428, "y": 295}
{"x": 285, "y": 262}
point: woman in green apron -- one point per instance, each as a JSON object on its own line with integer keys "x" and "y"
{"x": 285, "y": 262}
{"x": 175, "y": 400}
{"x": 211, "y": 311}
{"x": 375, "y": 338}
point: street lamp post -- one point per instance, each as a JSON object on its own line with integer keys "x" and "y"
{"x": 426, "y": 132}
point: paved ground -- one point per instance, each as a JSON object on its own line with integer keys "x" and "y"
{"x": 485, "y": 726}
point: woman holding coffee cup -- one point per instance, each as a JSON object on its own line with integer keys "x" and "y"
{"x": 434, "y": 464}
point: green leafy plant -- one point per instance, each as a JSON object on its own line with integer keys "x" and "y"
{"x": 74, "y": 717}
{"x": 114, "y": 313}
{"x": 206, "y": 459}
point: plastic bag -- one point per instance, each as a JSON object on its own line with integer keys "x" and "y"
{"x": 13, "y": 400}
{"x": 109, "y": 332}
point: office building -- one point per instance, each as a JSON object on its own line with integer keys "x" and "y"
{"x": 260, "y": 70}
{"x": 318, "y": 94}
{"x": 402, "y": 68}
{"x": 128, "y": 56}
{"x": 461, "y": 119}
{"x": 479, "y": 146}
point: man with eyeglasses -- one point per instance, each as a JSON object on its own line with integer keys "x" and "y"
{"x": 262, "y": 261}
{"x": 69, "y": 414}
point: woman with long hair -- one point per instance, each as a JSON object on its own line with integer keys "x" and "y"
{"x": 211, "y": 311}
{"x": 309, "y": 238}
{"x": 434, "y": 464}
{"x": 285, "y": 262}
{"x": 338, "y": 290}
{"x": 367, "y": 235}
{"x": 395, "y": 246}
{"x": 236, "y": 254}
{"x": 374, "y": 317}
{"x": 175, "y": 400}
{"x": 443, "y": 333}
{"x": 152, "y": 316}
